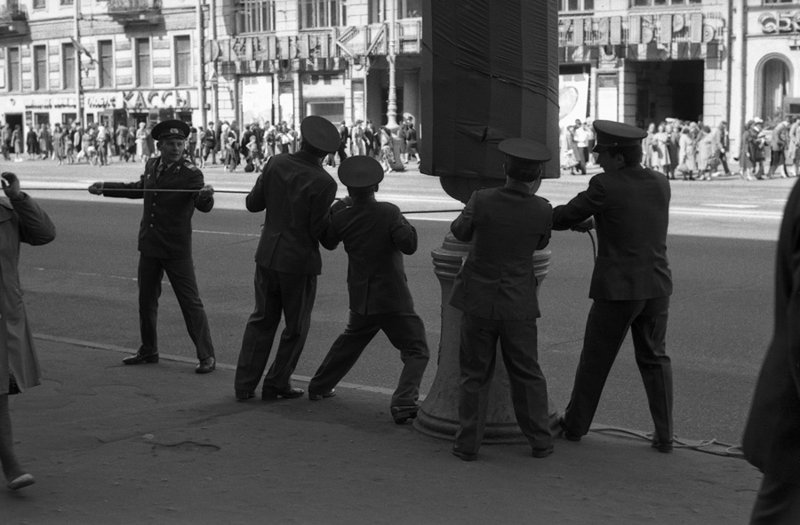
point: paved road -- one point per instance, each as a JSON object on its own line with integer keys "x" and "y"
{"x": 721, "y": 250}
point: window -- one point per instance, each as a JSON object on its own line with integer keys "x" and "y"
{"x": 256, "y": 16}
{"x": 105, "y": 59}
{"x": 183, "y": 61}
{"x": 659, "y": 3}
{"x": 39, "y": 68}
{"x": 67, "y": 2}
{"x": 768, "y": 2}
{"x": 39, "y": 4}
{"x": 322, "y": 13}
{"x": 409, "y": 8}
{"x": 13, "y": 69}
{"x": 141, "y": 48}
{"x": 68, "y": 66}
{"x": 579, "y": 5}
{"x": 375, "y": 12}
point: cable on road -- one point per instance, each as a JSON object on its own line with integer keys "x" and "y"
{"x": 178, "y": 190}
{"x": 706, "y": 446}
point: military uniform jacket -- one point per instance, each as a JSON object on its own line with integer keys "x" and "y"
{"x": 497, "y": 279}
{"x": 771, "y": 439}
{"x": 375, "y": 235}
{"x": 166, "y": 228}
{"x": 631, "y": 213}
{"x": 296, "y": 193}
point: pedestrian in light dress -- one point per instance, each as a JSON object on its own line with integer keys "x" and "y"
{"x": 142, "y": 147}
{"x": 21, "y": 220}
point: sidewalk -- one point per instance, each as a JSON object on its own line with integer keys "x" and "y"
{"x": 111, "y": 444}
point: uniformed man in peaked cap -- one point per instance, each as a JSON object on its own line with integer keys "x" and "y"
{"x": 296, "y": 193}
{"x": 165, "y": 239}
{"x": 496, "y": 291}
{"x": 631, "y": 283}
{"x": 375, "y": 236}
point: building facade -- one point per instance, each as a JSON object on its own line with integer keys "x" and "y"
{"x": 639, "y": 61}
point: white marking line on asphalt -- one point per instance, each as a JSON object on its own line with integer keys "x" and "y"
{"x": 182, "y": 359}
{"x": 235, "y": 234}
{"x": 737, "y": 214}
{"x": 735, "y": 206}
{"x": 88, "y": 274}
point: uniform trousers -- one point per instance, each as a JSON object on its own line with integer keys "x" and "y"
{"x": 606, "y": 329}
{"x": 404, "y": 330}
{"x": 184, "y": 283}
{"x": 777, "y": 503}
{"x": 477, "y": 357}
{"x": 276, "y": 293}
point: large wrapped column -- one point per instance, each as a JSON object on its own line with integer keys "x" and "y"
{"x": 490, "y": 72}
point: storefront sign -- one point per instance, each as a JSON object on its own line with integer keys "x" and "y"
{"x": 141, "y": 100}
{"x": 774, "y": 22}
{"x": 335, "y": 43}
{"x": 50, "y": 103}
{"x": 664, "y": 30}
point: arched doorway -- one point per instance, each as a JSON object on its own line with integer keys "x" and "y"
{"x": 775, "y": 86}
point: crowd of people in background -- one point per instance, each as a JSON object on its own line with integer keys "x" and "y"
{"x": 690, "y": 150}
{"x": 225, "y": 143}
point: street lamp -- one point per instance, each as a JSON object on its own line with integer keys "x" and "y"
{"x": 78, "y": 81}
{"x": 391, "y": 104}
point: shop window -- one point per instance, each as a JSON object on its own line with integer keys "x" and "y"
{"x": 183, "y": 60}
{"x": 105, "y": 58}
{"x": 143, "y": 64}
{"x": 770, "y": 2}
{"x": 322, "y": 13}
{"x": 576, "y": 5}
{"x": 256, "y": 16}
{"x": 409, "y": 8}
{"x": 39, "y": 68}
{"x": 39, "y": 4}
{"x": 13, "y": 69}
{"x": 68, "y": 66}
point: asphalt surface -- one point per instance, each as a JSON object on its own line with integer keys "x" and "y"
{"x": 160, "y": 444}
{"x": 113, "y": 444}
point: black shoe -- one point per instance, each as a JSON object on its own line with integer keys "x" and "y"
{"x": 541, "y": 452}
{"x": 566, "y": 434}
{"x": 270, "y": 393}
{"x": 403, "y": 413}
{"x": 318, "y": 396}
{"x": 244, "y": 395}
{"x": 206, "y": 365}
{"x": 140, "y": 359}
{"x": 465, "y": 456}
{"x": 665, "y": 447}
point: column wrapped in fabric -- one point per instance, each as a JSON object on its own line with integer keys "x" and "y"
{"x": 489, "y": 72}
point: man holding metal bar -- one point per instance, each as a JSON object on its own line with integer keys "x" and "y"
{"x": 172, "y": 187}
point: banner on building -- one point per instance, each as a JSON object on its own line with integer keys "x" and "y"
{"x": 573, "y": 98}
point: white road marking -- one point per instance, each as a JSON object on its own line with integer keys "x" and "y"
{"x": 182, "y": 359}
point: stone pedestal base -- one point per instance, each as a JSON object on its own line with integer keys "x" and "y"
{"x": 438, "y": 414}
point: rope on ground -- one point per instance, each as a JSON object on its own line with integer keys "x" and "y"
{"x": 706, "y": 446}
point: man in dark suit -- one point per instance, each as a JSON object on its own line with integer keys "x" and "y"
{"x": 375, "y": 235}
{"x": 496, "y": 291}
{"x": 296, "y": 192}
{"x": 772, "y": 435}
{"x": 165, "y": 239}
{"x": 631, "y": 283}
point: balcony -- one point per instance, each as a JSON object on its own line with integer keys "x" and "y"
{"x": 136, "y": 12}
{"x": 13, "y": 21}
